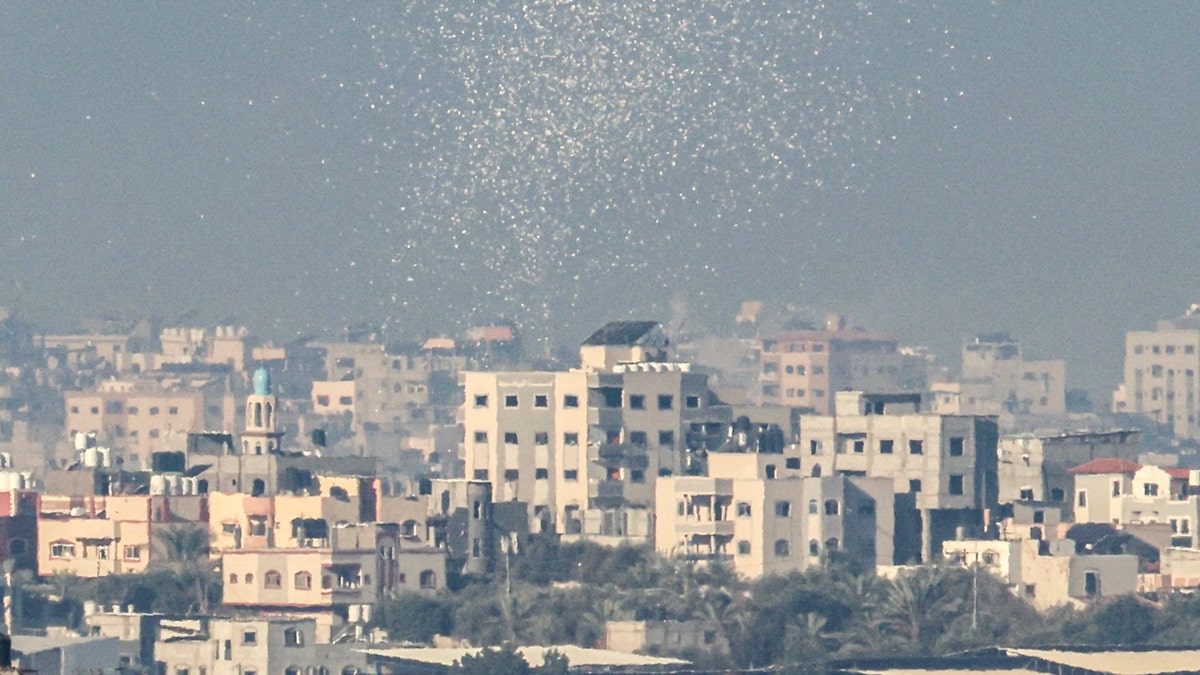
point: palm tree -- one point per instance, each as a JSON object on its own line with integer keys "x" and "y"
{"x": 188, "y": 547}
{"x": 917, "y": 607}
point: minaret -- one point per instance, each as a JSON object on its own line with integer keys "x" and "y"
{"x": 260, "y": 436}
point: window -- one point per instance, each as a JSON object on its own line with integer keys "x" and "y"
{"x": 914, "y": 485}
{"x": 1151, "y": 489}
{"x": 481, "y": 474}
{"x": 233, "y": 578}
{"x": 819, "y": 393}
{"x": 637, "y": 475}
{"x": 770, "y": 471}
{"x": 323, "y": 400}
{"x": 511, "y": 474}
{"x": 428, "y": 579}
{"x": 637, "y": 438}
{"x": 743, "y": 547}
{"x": 272, "y": 579}
{"x": 666, "y": 437}
{"x": 1039, "y": 516}
{"x": 62, "y": 549}
{"x": 814, "y": 447}
{"x": 813, "y": 507}
{"x": 691, "y": 401}
{"x": 154, "y": 410}
{"x": 860, "y": 445}
{"x": 783, "y": 509}
{"x": 511, "y": 401}
{"x": 814, "y": 548}
{"x": 782, "y": 548}
{"x": 916, "y": 447}
{"x": 481, "y": 437}
{"x": 249, "y": 637}
{"x": 258, "y": 526}
{"x": 481, "y": 401}
{"x": 886, "y": 446}
{"x": 792, "y": 462}
{"x": 1082, "y": 499}
{"x": 541, "y": 474}
{"x": 541, "y": 401}
{"x": 666, "y": 401}
{"x": 1116, "y": 488}
{"x": 570, "y": 401}
{"x": 292, "y": 637}
{"x": 956, "y": 484}
{"x": 818, "y": 370}
{"x": 133, "y": 552}
{"x": 743, "y": 509}
{"x": 571, "y": 475}
{"x": 541, "y": 438}
{"x": 173, "y": 410}
{"x": 229, "y": 650}
{"x": 637, "y": 402}
{"x": 1056, "y": 494}
{"x": 249, "y": 578}
{"x": 831, "y": 507}
{"x": 102, "y": 551}
{"x": 570, "y": 438}
{"x": 302, "y": 581}
{"x": 510, "y": 438}
{"x": 956, "y": 447}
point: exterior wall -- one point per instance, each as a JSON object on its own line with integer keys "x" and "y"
{"x": 333, "y": 398}
{"x": 1160, "y": 374}
{"x": 997, "y": 379}
{"x": 631, "y": 637}
{"x": 134, "y": 423}
{"x": 804, "y": 368}
{"x": 1038, "y": 468}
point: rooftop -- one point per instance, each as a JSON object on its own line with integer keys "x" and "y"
{"x": 1106, "y": 465}
{"x": 618, "y": 333}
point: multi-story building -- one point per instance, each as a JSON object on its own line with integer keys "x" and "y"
{"x": 997, "y": 379}
{"x": 1037, "y": 467}
{"x": 1119, "y": 492}
{"x": 804, "y": 369}
{"x": 582, "y": 448}
{"x": 261, "y": 645}
{"x": 1160, "y": 380}
{"x": 772, "y": 525}
{"x": 134, "y": 418}
{"x": 942, "y": 467}
{"x": 94, "y": 536}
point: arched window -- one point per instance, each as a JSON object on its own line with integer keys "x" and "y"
{"x": 249, "y": 578}
{"x": 816, "y": 471}
{"x": 813, "y": 507}
{"x": 258, "y": 488}
{"x": 350, "y": 670}
{"x": 408, "y": 528}
{"x": 782, "y": 548}
{"x": 269, "y": 412}
{"x": 233, "y": 578}
{"x": 743, "y": 547}
{"x": 292, "y": 637}
{"x": 428, "y": 579}
{"x": 202, "y": 486}
{"x": 291, "y": 670}
{"x": 814, "y": 548}
{"x": 831, "y": 507}
{"x": 302, "y": 581}
{"x": 272, "y": 579}
{"x": 831, "y": 544}
{"x": 258, "y": 414}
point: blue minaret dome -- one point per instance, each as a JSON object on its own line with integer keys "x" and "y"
{"x": 262, "y": 382}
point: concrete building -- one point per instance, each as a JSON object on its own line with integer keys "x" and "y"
{"x": 1159, "y": 379}
{"x": 582, "y": 448}
{"x": 261, "y": 645}
{"x": 94, "y": 536}
{"x": 665, "y": 637}
{"x": 65, "y": 655}
{"x": 1036, "y": 467}
{"x": 1125, "y": 494}
{"x": 997, "y": 379}
{"x": 805, "y": 368}
{"x": 135, "y": 418}
{"x": 774, "y": 525}
{"x": 1048, "y": 577}
{"x": 942, "y": 467}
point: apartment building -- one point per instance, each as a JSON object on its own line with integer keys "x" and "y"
{"x": 998, "y": 379}
{"x": 134, "y": 418}
{"x": 1038, "y": 467}
{"x": 94, "y": 536}
{"x": 776, "y": 525}
{"x": 260, "y": 645}
{"x": 582, "y": 448}
{"x": 1123, "y": 493}
{"x": 942, "y": 467}
{"x": 1159, "y": 379}
{"x": 805, "y": 368}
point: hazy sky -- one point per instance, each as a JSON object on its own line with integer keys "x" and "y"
{"x": 931, "y": 170}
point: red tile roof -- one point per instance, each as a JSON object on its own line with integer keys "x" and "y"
{"x": 1178, "y": 472}
{"x": 1106, "y": 465}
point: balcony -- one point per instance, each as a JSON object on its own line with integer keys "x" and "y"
{"x": 709, "y": 528}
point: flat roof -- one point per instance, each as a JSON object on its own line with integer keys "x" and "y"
{"x": 577, "y": 657}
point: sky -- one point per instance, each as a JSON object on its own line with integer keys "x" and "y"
{"x": 932, "y": 170}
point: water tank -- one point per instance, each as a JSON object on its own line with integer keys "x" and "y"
{"x": 173, "y": 484}
{"x": 354, "y": 613}
{"x": 89, "y": 607}
{"x": 81, "y": 441}
{"x": 5, "y": 460}
{"x": 366, "y": 613}
{"x": 78, "y": 511}
{"x": 102, "y": 455}
{"x": 158, "y": 484}
{"x": 189, "y": 485}
{"x": 91, "y": 457}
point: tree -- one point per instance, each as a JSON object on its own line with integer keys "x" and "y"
{"x": 187, "y": 547}
{"x": 507, "y": 660}
{"x": 917, "y": 607}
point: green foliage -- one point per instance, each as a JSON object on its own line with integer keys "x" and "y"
{"x": 412, "y": 617}
{"x": 507, "y": 661}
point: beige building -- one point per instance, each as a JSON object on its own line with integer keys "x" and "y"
{"x": 94, "y": 536}
{"x": 942, "y": 467}
{"x": 776, "y": 525}
{"x": 1048, "y": 577}
{"x": 261, "y": 645}
{"x": 1160, "y": 374}
{"x": 1122, "y": 493}
{"x": 804, "y": 369}
{"x": 582, "y": 448}
{"x": 1037, "y": 467}
{"x": 134, "y": 418}
{"x": 996, "y": 379}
